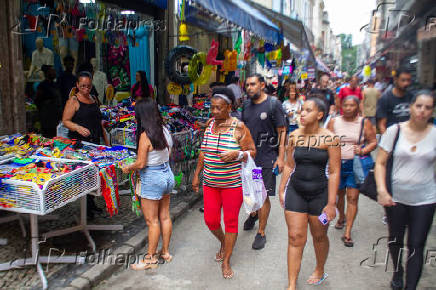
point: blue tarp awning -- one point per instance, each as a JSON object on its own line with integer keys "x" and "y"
{"x": 242, "y": 14}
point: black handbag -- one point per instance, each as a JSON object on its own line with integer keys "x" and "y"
{"x": 369, "y": 186}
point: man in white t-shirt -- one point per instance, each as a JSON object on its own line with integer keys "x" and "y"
{"x": 40, "y": 56}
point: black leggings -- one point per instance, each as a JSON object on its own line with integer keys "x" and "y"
{"x": 418, "y": 220}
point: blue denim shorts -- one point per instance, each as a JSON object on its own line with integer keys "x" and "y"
{"x": 156, "y": 181}
{"x": 347, "y": 175}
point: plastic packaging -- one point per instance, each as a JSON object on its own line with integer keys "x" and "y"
{"x": 253, "y": 188}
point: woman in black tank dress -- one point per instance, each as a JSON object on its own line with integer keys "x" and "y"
{"x": 82, "y": 114}
{"x": 83, "y": 118}
{"x": 305, "y": 192}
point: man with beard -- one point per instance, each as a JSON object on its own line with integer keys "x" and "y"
{"x": 323, "y": 93}
{"x": 264, "y": 116}
{"x": 393, "y": 106}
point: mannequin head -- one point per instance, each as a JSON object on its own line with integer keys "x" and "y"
{"x": 39, "y": 42}
{"x": 94, "y": 64}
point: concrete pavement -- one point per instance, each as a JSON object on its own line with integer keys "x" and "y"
{"x": 194, "y": 248}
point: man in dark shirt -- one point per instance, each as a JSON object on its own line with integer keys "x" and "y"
{"x": 393, "y": 106}
{"x": 323, "y": 93}
{"x": 66, "y": 81}
{"x": 264, "y": 116}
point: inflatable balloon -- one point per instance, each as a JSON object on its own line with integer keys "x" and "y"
{"x": 205, "y": 75}
{"x": 213, "y": 53}
{"x": 233, "y": 60}
{"x": 238, "y": 43}
{"x": 194, "y": 65}
{"x": 367, "y": 71}
{"x": 261, "y": 59}
{"x": 174, "y": 89}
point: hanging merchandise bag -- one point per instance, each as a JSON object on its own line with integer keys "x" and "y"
{"x": 254, "y": 192}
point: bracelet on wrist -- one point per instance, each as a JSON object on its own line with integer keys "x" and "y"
{"x": 241, "y": 155}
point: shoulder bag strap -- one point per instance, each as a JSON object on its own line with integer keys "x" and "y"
{"x": 395, "y": 140}
{"x": 361, "y": 130}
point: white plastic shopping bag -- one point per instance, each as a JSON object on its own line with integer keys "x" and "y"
{"x": 253, "y": 189}
{"x": 61, "y": 130}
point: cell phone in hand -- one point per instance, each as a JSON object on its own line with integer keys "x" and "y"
{"x": 276, "y": 171}
{"x": 323, "y": 218}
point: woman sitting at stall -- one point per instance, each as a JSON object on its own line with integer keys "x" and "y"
{"x": 141, "y": 89}
{"x": 227, "y": 142}
{"x": 157, "y": 180}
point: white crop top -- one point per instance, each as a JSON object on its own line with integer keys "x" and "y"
{"x": 159, "y": 157}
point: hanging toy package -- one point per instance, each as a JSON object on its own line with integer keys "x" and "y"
{"x": 253, "y": 188}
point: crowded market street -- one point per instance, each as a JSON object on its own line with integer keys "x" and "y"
{"x": 193, "y": 266}
{"x": 218, "y": 144}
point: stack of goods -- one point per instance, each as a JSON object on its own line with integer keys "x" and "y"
{"x": 40, "y": 185}
{"x": 109, "y": 160}
{"x": 202, "y": 105}
{"x": 21, "y": 145}
{"x": 35, "y": 170}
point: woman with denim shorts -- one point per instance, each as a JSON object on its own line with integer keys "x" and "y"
{"x": 226, "y": 144}
{"x": 348, "y": 127}
{"x": 157, "y": 180}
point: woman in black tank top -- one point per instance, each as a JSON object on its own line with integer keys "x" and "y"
{"x": 305, "y": 192}
{"x": 82, "y": 114}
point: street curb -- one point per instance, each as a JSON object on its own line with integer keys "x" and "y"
{"x": 98, "y": 273}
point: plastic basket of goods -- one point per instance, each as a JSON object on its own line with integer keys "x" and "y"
{"x": 124, "y": 137}
{"x": 40, "y": 185}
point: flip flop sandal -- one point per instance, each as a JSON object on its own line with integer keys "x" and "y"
{"x": 142, "y": 265}
{"x": 320, "y": 281}
{"x": 348, "y": 242}
{"x": 340, "y": 226}
{"x": 218, "y": 258}
{"x": 229, "y": 276}
{"x": 166, "y": 258}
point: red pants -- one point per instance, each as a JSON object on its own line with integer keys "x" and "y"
{"x": 230, "y": 199}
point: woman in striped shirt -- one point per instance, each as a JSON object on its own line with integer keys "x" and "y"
{"x": 226, "y": 143}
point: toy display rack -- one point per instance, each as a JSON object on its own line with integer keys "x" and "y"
{"x": 27, "y": 197}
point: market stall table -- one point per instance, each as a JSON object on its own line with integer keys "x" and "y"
{"x": 28, "y": 197}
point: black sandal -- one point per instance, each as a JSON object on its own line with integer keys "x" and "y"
{"x": 348, "y": 242}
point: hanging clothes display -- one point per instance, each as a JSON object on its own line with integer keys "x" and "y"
{"x": 139, "y": 51}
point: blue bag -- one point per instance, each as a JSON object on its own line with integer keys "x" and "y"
{"x": 362, "y": 164}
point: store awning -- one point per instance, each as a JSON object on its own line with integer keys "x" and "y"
{"x": 293, "y": 30}
{"x": 320, "y": 65}
{"x": 242, "y": 14}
